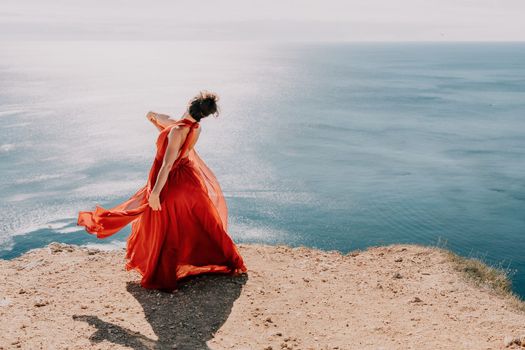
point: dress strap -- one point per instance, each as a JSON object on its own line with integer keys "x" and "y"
{"x": 187, "y": 122}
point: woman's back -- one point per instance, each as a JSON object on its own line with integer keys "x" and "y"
{"x": 184, "y": 133}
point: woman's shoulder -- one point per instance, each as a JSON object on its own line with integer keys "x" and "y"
{"x": 180, "y": 131}
{"x": 175, "y": 131}
{"x": 168, "y": 132}
{"x": 178, "y": 128}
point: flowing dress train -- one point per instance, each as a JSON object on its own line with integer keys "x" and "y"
{"x": 188, "y": 236}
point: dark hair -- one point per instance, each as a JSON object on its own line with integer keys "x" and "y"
{"x": 204, "y": 104}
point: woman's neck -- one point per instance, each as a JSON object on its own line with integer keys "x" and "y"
{"x": 188, "y": 116}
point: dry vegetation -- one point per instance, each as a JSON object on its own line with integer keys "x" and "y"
{"x": 495, "y": 278}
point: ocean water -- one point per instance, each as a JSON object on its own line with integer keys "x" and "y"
{"x": 334, "y": 146}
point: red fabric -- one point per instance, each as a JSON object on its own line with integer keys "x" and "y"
{"x": 188, "y": 236}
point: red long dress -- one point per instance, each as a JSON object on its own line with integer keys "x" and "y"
{"x": 188, "y": 236}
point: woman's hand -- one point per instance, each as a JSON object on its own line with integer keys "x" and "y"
{"x": 154, "y": 201}
{"x": 161, "y": 121}
{"x": 151, "y": 116}
{"x": 154, "y": 119}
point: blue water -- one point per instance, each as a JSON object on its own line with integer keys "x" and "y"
{"x": 335, "y": 146}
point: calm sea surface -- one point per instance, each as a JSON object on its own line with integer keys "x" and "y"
{"x": 335, "y": 146}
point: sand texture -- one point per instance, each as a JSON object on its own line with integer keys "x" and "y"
{"x": 392, "y": 297}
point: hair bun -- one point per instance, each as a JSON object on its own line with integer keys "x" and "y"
{"x": 204, "y": 104}
{"x": 208, "y": 97}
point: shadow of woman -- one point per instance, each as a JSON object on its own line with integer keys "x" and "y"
{"x": 186, "y": 319}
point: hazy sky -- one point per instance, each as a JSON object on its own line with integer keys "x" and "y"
{"x": 335, "y": 20}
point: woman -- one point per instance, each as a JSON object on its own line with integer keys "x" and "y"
{"x": 180, "y": 216}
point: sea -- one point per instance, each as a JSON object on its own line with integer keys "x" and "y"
{"x": 336, "y": 146}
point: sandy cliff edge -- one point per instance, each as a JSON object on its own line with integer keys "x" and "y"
{"x": 392, "y": 297}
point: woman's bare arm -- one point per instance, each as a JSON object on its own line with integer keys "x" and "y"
{"x": 171, "y": 154}
{"x": 161, "y": 121}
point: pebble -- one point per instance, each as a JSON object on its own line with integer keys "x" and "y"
{"x": 510, "y": 340}
{"x": 41, "y": 302}
{"x": 56, "y": 247}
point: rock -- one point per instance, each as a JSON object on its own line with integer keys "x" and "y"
{"x": 56, "y": 247}
{"x": 398, "y": 260}
{"x": 416, "y": 300}
{"x": 510, "y": 340}
{"x": 41, "y": 302}
{"x": 397, "y": 275}
{"x": 92, "y": 251}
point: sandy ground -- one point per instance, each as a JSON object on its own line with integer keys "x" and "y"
{"x": 393, "y": 297}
